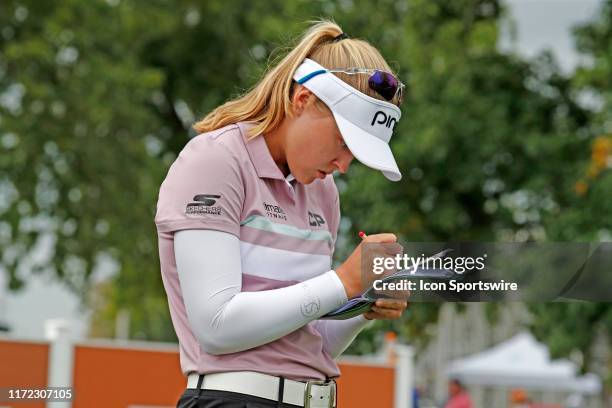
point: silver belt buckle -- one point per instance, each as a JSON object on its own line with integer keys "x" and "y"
{"x": 310, "y": 402}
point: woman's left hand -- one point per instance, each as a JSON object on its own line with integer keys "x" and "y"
{"x": 386, "y": 309}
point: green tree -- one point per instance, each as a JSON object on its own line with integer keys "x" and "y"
{"x": 481, "y": 140}
{"x": 573, "y": 327}
{"x": 79, "y": 124}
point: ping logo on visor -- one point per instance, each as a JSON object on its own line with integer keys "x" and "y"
{"x": 389, "y": 121}
{"x": 366, "y": 123}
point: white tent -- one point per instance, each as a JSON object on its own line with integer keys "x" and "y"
{"x": 522, "y": 362}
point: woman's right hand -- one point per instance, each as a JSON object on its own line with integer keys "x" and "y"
{"x": 350, "y": 271}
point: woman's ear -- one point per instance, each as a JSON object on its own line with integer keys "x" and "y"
{"x": 302, "y": 97}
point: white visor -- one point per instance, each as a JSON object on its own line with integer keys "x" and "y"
{"x": 366, "y": 123}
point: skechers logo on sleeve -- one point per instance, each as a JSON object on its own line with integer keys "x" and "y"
{"x": 203, "y": 204}
{"x": 381, "y": 118}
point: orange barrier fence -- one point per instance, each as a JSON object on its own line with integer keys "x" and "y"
{"x": 365, "y": 386}
{"x": 119, "y": 377}
{"x": 139, "y": 374}
{"x": 24, "y": 364}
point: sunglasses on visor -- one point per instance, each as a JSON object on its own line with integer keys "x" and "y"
{"x": 381, "y": 82}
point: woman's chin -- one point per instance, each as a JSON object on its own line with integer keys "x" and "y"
{"x": 305, "y": 179}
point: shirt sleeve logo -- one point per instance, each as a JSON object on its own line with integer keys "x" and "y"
{"x": 203, "y": 204}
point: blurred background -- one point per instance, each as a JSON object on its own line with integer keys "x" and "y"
{"x": 506, "y": 135}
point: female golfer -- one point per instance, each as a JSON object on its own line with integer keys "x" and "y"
{"x": 247, "y": 219}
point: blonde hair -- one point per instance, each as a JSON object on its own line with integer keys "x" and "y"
{"x": 269, "y": 101}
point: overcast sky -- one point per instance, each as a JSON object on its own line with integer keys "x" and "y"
{"x": 546, "y": 24}
{"x": 540, "y": 24}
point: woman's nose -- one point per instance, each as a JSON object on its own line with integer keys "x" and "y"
{"x": 343, "y": 161}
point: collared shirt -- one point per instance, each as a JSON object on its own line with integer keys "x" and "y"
{"x": 287, "y": 231}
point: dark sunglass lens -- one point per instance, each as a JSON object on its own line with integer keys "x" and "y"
{"x": 384, "y": 84}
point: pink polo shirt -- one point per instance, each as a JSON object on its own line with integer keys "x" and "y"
{"x": 287, "y": 233}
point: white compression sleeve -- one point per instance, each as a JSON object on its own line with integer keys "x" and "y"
{"x": 226, "y": 320}
{"x": 339, "y": 334}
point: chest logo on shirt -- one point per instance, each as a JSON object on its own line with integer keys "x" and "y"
{"x": 203, "y": 204}
{"x": 315, "y": 220}
{"x": 275, "y": 211}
